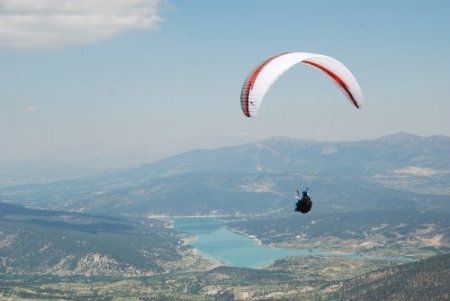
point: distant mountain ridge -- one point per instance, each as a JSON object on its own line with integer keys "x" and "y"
{"x": 288, "y": 154}
{"x": 261, "y": 178}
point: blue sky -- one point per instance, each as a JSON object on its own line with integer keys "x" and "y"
{"x": 151, "y": 78}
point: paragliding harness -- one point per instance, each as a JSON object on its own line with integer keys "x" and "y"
{"x": 303, "y": 203}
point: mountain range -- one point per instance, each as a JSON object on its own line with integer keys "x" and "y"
{"x": 409, "y": 171}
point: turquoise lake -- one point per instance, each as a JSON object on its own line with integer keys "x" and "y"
{"x": 216, "y": 242}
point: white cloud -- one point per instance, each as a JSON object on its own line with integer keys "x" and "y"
{"x": 53, "y": 23}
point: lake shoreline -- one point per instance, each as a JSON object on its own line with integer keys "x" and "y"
{"x": 259, "y": 255}
{"x": 217, "y": 242}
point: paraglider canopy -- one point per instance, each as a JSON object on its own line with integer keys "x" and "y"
{"x": 263, "y": 76}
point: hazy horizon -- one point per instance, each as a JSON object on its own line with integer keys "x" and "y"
{"x": 134, "y": 83}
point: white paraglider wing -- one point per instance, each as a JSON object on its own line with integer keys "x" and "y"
{"x": 262, "y": 77}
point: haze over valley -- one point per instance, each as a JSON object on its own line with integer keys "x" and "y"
{"x": 377, "y": 204}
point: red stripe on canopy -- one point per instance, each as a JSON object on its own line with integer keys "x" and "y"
{"x": 337, "y": 79}
{"x": 248, "y": 84}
